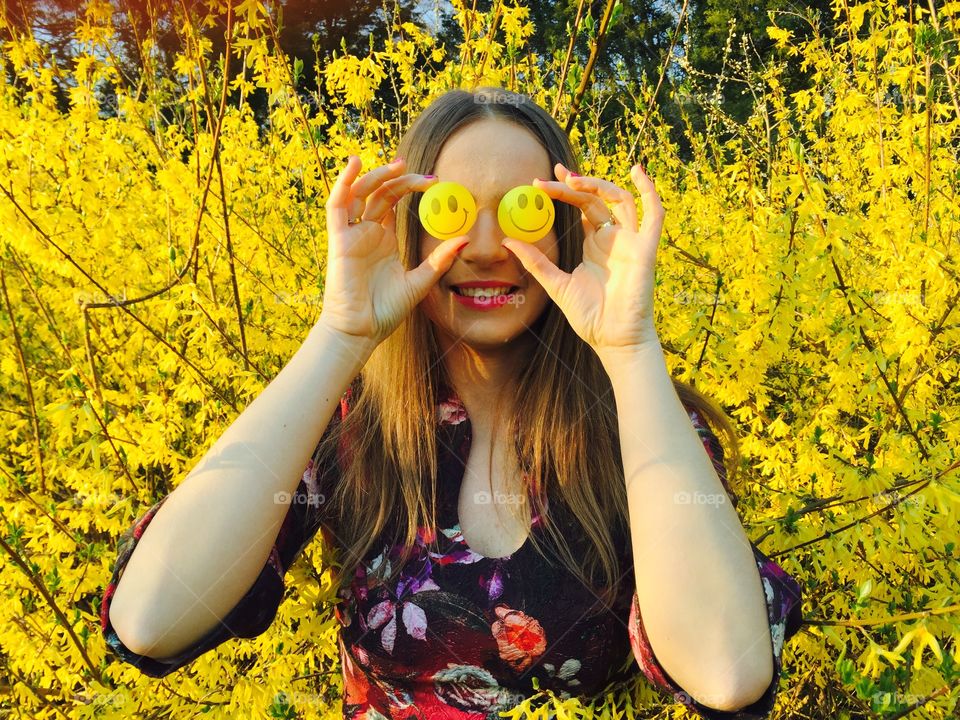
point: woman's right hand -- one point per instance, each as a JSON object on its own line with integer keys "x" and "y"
{"x": 368, "y": 290}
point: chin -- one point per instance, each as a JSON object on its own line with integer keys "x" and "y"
{"x": 494, "y": 336}
{"x": 485, "y": 328}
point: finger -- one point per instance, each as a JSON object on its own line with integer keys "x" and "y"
{"x": 373, "y": 179}
{"x": 553, "y": 279}
{"x": 653, "y": 210}
{"x": 594, "y": 210}
{"x": 386, "y": 196}
{"x": 426, "y": 274}
{"x": 389, "y": 223}
{"x": 623, "y": 204}
{"x": 340, "y": 195}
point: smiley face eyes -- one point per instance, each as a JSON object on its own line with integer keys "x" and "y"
{"x": 522, "y": 202}
{"x": 525, "y": 212}
{"x": 451, "y": 203}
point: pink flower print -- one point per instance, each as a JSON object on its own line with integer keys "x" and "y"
{"x": 451, "y": 412}
{"x": 384, "y": 615}
{"x": 520, "y": 637}
{"x": 415, "y": 620}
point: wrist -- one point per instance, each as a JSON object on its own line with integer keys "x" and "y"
{"x": 625, "y": 359}
{"x": 355, "y": 349}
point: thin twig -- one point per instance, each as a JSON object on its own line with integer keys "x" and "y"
{"x": 595, "y": 47}
{"x": 42, "y": 589}
{"x": 886, "y": 620}
{"x": 34, "y": 419}
{"x": 566, "y": 59}
{"x": 663, "y": 72}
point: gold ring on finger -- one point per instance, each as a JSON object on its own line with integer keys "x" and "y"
{"x": 611, "y": 221}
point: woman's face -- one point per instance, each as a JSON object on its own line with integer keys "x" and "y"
{"x": 488, "y": 157}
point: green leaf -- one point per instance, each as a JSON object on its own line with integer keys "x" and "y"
{"x": 615, "y": 15}
{"x": 796, "y": 148}
{"x": 297, "y": 71}
{"x": 865, "y": 688}
{"x": 834, "y": 637}
{"x": 846, "y": 670}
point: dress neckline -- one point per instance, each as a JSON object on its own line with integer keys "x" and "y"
{"x": 452, "y": 412}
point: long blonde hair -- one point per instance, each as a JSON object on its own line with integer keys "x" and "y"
{"x": 570, "y": 441}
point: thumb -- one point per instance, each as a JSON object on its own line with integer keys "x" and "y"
{"x": 550, "y": 277}
{"x": 427, "y": 273}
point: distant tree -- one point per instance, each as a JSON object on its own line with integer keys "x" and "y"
{"x": 711, "y": 23}
{"x": 308, "y": 30}
{"x": 633, "y": 50}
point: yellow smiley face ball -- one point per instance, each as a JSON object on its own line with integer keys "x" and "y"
{"x": 526, "y": 213}
{"x": 447, "y": 209}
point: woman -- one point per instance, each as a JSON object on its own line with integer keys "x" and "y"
{"x": 493, "y": 466}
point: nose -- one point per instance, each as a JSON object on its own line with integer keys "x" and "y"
{"x": 486, "y": 240}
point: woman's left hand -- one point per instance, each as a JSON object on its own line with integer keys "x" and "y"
{"x": 608, "y": 298}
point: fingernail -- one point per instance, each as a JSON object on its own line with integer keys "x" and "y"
{"x": 396, "y": 160}
{"x": 428, "y": 177}
{"x": 575, "y": 174}
{"x": 461, "y": 247}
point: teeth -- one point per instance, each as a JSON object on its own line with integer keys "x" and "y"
{"x": 483, "y": 292}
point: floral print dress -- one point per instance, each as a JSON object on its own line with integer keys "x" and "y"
{"x": 459, "y": 635}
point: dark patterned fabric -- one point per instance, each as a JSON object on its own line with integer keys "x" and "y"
{"x": 460, "y": 635}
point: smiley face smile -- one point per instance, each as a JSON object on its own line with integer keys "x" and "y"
{"x": 437, "y": 231}
{"x": 529, "y": 230}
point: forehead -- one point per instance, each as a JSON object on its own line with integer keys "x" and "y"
{"x": 489, "y": 157}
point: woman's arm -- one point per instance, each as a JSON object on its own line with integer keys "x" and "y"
{"x": 211, "y": 537}
{"x": 697, "y": 582}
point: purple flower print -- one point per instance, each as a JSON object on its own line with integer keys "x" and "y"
{"x": 384, "y": 615}
{"x": 493, "y": 583}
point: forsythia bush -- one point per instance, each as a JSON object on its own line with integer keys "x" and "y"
{"x": 162, "y": 262}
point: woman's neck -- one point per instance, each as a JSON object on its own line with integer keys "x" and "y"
{"x": 480, "y": 379}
